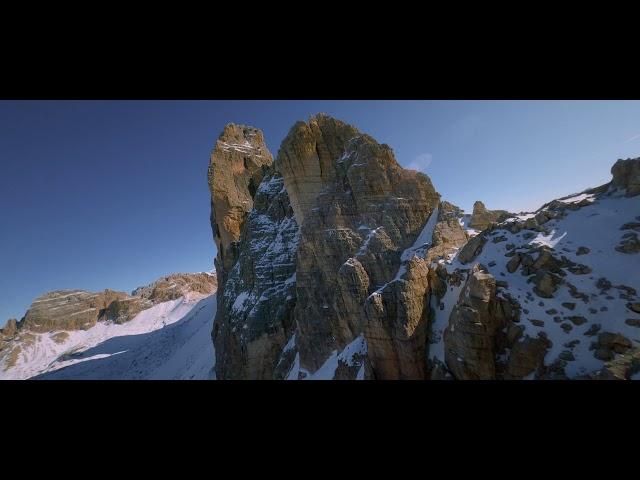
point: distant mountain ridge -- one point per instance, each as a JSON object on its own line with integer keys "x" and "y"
{"x": 57, "y": 317}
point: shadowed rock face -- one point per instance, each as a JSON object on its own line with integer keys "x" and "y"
{"x": 328, "y": 227}
{"x": 344, "y": 268}
{"x": 80, "y": 310}
{"x": 358, "y": 210}
{"x": 481, "y": 327}
{"x": 448, "y": 235}
{"x": 256, "y": 236}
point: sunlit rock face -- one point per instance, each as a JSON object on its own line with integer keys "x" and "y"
{"x": 347, "y": 266}
{"x": 626, "y": 175}
{"x": 481, "y": 218}
{"x": 358, "y": 210}
{"x": 238, "y": 163}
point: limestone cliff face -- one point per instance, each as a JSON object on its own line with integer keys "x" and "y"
{"x": 237, "y": 165}
{"x": 256, "y": 236}
{"x": 80, "y": 310}
{"x": 483, "y": 340}
{"x": 338, "y": 263}
{"x": 359, "y": 210}
{"x": 333, "y": 222}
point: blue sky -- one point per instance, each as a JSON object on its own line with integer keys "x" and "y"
{"x": 113, "y": 194}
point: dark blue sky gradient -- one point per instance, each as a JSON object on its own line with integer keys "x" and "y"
{"x": 114, "y": 194}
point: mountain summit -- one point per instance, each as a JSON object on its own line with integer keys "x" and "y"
{"x": 344, "y": 265}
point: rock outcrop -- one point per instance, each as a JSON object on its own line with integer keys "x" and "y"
{"x": 448, "y": 235}
{"x": 358, "y": 210}
{"x": 470, "y": 340}
{"x": 171, "y": 287}
{"x": 333, "y": 222}
{"x": 626, "y": 176}
{"x": 254, "y": 318}
{"x": 64, "y": 311}
{"x": 481, "y": 218}
{"x": 9, "y": 330}
{"x": 237, "y": 165}
{"x": 80, "y": 310}
{"x": 483, "y": 340}
{"x": 256, "y": 236}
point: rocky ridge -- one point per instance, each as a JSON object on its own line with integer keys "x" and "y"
{"x": 481, "y": 218}
{"x": 349, "y": 266}
{"x": 63, "y": 311}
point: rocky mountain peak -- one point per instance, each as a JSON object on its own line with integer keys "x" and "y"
{"x": 357, "y": 211}
{"x": 481, "y": 218}
{"x": 171, "y": 287}
{"x": 626, "y": 175}
{"x": 10, "y": 328}
{"x": 236, "y": 168}
{"x": 349, "y": 266}
{"x": 306, "y": 158}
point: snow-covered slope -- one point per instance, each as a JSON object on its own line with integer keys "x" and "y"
{"x": 571, "y": 318}
{"x": 170, "y": 340}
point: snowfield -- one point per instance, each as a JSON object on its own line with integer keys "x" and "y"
{"x": 171, "y": 340}
{"x": 596, "y": 226}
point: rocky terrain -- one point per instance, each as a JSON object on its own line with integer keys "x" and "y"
{"x": 334, "y": 262}
{"x": 337, "y": 263}
{"x": 65, "y": 321}
{"x": 481, "y": 218}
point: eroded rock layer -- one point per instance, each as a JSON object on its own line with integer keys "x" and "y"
{"x": 237, "y": 165}
{"x": 359, "y": 211}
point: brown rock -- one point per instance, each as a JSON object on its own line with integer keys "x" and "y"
{"x": 481, "y": 218}
{"x": 353, "y": 200}
{"x": 634, "y": 306}
{"x": 236, "y": 168}
{"x": 471, "y": 338}
{"x": 254, "y": 316}
{"x": 514, "y": 263}
{"x": 9, "y": 330}
{"x": 577, "y": 320}
{"x": 626, "y": 175}
{"x": 472, "y": 249}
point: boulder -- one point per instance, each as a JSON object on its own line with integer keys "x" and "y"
{"x": 626, "y": 175}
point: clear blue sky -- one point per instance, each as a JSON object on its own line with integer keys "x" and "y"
{"x": 114, "y": 194}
